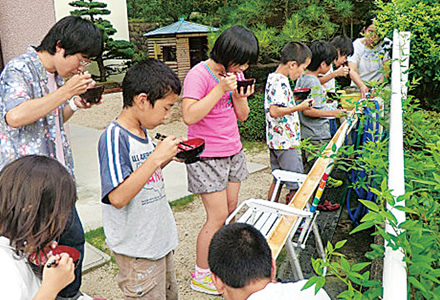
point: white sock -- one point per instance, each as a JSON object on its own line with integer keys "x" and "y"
{"x": 201, "y": 273}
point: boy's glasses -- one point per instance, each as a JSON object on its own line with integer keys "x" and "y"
{"x": 83, "y": 62}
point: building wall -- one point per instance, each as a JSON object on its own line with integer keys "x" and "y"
{"x": 118, "y": 16}
{"x": 23, "y": 23}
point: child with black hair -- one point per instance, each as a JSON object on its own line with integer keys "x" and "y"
{"x": 344, "y": 46}
{"x": 138, "y": 222}
{"x": 35, "y": 102}
{"x": 282, "y": 121}
{"x": 37, "y": 197}
{"x": 243, "y": 268}
{"x": 211, "y": 106}
{"x": 314, "y": 122}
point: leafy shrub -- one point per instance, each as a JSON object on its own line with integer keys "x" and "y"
{"x": 254, "y": 128}
{"x": 418, "y": 237}
{"x": 422, "y": 18}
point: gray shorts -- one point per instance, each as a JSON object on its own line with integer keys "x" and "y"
{"x": 289, "y": 160}
{"x": 212, "y": 174}
{"x": 308, "y": 164}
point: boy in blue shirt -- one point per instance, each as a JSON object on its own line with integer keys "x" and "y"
{"x": 138, "y": 222}
{"x": 314, "y": 122}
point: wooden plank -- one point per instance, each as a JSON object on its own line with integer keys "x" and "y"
{"x": 284, "y": 226}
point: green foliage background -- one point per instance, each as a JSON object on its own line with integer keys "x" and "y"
{"x": 422, "y": 19}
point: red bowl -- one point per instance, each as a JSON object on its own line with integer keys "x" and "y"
{"x": 94, "y": 94}
{"x": 245, "y": 83}
{"x": 41, "y": 259}
{"x": 190, "y": 150}
{"x": 302, "y": 93}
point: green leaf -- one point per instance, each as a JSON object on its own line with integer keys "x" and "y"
{"x": 340, "y": 244}
{"x": 359, "y": 266}
{"x": 371, "y": 205}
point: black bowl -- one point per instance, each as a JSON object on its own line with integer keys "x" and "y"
{"x": 245, "y": 83}
{"x": 189, "y": 151}
{"x": 302, "y": 93}
{"x": 94, "y": 94}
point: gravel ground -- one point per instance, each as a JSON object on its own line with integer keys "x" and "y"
{"x": 101, "y": 282}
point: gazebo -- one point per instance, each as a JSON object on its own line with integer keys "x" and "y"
{"x": 180, "y": 45}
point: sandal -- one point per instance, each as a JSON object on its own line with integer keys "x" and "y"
{"x": 328, "y": 206}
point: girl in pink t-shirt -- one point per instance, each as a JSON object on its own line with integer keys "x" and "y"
{"x": 211, "y": 106}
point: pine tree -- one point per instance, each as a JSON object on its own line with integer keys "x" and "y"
{"x": 113, "y": 49}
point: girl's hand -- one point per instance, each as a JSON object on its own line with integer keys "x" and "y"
{"x": 59, "y": 275}
{"x": 249, "y": 91}
{"x": 228, "y": 82}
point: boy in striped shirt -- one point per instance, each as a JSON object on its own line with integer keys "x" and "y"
{"x": 138, "y": 222}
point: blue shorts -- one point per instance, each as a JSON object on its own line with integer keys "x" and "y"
{"x": 289, "y": 160}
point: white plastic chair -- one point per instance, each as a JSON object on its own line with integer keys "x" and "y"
{"x": 264, "y": 215}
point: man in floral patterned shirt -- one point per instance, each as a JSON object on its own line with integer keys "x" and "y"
{"x": 282, "y": 122}
{"x": 35, "y": 102}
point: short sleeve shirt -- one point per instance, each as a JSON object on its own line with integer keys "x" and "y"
{"x": 282, "y": 132}
{"x": 369, "y": 61}
{"x": 288, "y": 291}
{"x": 311, "y": 127}
{"x": 219, "y": 127}
{"x": 23, "y": 79}
{"x": 145, "y": 227}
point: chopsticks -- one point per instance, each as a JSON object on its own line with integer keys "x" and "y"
{"x": 161, "y": 137}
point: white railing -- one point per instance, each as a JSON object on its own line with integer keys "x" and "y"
{"x": 394, "y": 271}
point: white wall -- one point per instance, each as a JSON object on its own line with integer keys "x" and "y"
{"x": 118, "y": 16}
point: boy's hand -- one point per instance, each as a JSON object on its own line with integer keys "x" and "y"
{"x": 306, "y": 105}
{"x": 166, "y": 149}
{"x": 342, "y": 71}
{"x": 228, "y": 82}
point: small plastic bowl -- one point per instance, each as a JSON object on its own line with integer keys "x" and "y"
{"x": 302, "y": 93}
{"x": 189, "y": 151}
{"x": 94, "y": 94}
{"x": 245, "y": 83}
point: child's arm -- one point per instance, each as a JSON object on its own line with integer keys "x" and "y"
{"x": 354, "y": 75}
{"x": 323, "y": 113}
{"x": 241, "y": 105}
{"x": 340, "y": 72}
{"x": 277, "y": 111}
{"x": 130, "y": 187}
{"x": 194, "y": 110}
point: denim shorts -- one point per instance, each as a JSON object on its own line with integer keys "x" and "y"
{"x": 289, "y": 160}
{"x": 212, "y": 174}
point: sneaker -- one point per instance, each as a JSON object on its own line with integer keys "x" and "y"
{"x": 203, "y": 285}
{"x": 328, "y": 206}
{"x": 334, "y": 183}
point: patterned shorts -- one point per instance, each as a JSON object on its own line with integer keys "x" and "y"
{"x": 212, "y": 174}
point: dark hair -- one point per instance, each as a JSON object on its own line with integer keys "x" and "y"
{"x": 37, "y": 195}
{"x": 343, "y": 44}
{"x": 239, "y": 254}
{"x": 321, "y": 51}
{"x": 295, "y": 51}
{"x": 151, "y": 77}
{"x": 75, "y": 35}
{"x": 236, "y": 45}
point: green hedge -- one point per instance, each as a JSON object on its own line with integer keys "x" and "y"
{"x": 254, "y": 128}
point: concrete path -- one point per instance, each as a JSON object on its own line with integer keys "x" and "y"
{"x": 84, "y": 143}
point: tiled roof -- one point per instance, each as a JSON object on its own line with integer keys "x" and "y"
{"x": 181, "y": 26}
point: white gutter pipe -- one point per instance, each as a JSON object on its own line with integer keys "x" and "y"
{"x": 394, "y": 270}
